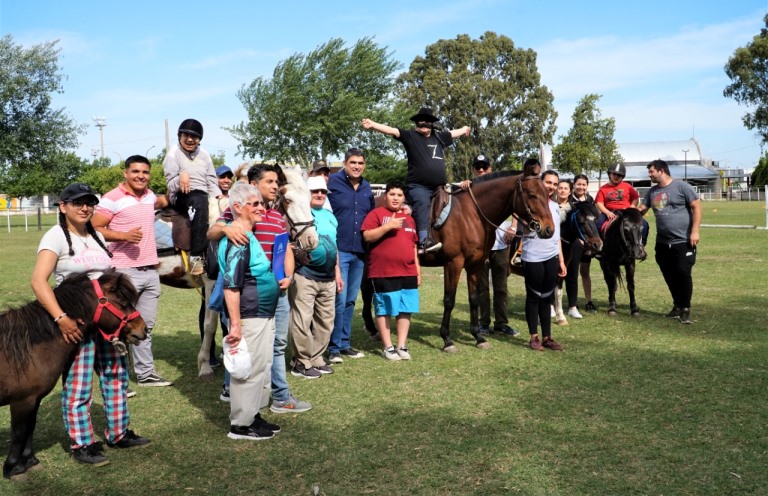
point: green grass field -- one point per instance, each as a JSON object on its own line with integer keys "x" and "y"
{"x": 631, "y": 406}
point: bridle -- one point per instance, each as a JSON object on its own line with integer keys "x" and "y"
{"x": 104, "y": 303}
{"x": 531, "y": 222}
{"x": 295, "y": 229}
{"x": 626, "y": 245}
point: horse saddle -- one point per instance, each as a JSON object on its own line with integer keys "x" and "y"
{"x": 173, "y": 230}
{"x": 607, "y": 224}
{"x": 442, "y": 199}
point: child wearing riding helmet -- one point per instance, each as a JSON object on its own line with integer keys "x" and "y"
{"x": 191, "y": 179}
{"x": 73, "y": 246}
{"x": 617, "y": 194}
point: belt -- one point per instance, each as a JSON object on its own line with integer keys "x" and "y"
{"x": 145, "y": 268}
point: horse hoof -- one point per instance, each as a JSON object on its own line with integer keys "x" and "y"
{"x": 205, "y": 377}
{"x": 450, "y": 348}
{"x": 636, "y": 313}
{"x": 32, "y": 463}
{"x": 485, "y": 345}
{"x": 612, "y": 313}
{"x": 562, "y": 322}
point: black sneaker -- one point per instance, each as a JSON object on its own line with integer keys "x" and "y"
{"x": 324, "y": 369}
{"x": 506, "y": 330}
{"x": 590, "y": 307}
{"x": 130, "y": 440}
{"x": 299, "y": 370}
{"x": 483, "y": 330}
{"x": 130, "y": 393}
{"x": 674, "y": 313}
{"x": 429, "y": 245}
{"x": 351, "y": 353}
{"x": 93, "y": 454}
{"x": 685, "y": 316}
{"x": 258, "y": 421}
{"x": 154, "y": 380}
{"x": 224, "y": 396}
{"x": 250, "y": 433}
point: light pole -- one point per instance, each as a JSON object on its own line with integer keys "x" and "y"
{"x": 148, "y": 149}
{"x": 100, "y": 123}
{"x": 686, "y": 164}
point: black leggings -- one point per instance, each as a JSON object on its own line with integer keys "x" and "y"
{"x": 575, "y": 251}
{"x": 540, "y": 279}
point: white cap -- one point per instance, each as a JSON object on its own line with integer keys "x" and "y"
{"x": 316, "y": 182}
{"x": 237, "y": 360}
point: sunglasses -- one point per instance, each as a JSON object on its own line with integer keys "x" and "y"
{"x": 254, "y": 204}
{"x": 80, "y": 203}
{"x": 321, "y": 191}
{"x": 479, "y": 167}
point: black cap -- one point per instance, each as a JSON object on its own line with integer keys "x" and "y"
{"x": 76, "y": 191}
{"x": 319, "y": 165}
{"x": 481, "y": 159}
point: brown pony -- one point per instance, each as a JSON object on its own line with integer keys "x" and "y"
{"x": 468, "y": 235}
{"x": 33, "y": 355}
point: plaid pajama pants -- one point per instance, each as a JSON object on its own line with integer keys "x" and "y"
{"x": 98, "y": 355}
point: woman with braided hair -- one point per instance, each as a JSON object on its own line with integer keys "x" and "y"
{"x": 73, "y": 246}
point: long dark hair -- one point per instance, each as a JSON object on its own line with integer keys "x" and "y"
{"x": 88, "y": 227}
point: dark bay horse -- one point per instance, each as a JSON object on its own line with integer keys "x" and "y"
{"x": 577, "y": 227}
{"x": 469, "y": 232}
{"x": 33, "y": 355}
{"x": 623, "y": 245}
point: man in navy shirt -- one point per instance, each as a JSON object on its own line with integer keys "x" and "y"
{"x": 351, "y": 199}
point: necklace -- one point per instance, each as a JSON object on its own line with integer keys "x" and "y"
{"x": 83, "y": 239}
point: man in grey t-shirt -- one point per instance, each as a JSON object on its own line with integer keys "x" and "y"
{"x": 678, "y": 218}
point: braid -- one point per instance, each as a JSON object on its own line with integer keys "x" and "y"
{"x": 92, "y": 232}
{"x": 63, "y": 224}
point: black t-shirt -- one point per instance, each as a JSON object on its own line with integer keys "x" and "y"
{"x": 426, "y": 158}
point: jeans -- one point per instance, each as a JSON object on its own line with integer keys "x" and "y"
{"x": 351, "y": 266}
{"x": 280, "y": 391}
{"x": 420, "y": 199}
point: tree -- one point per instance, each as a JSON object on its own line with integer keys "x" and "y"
{"x": 760, "y": 174}
{"x": 33, "y": 135}
{"x": 589, "y": 145}
{"x": 748, "y": 70}
{"x": 312, "y": 106}
{"x": 489, "y": 85}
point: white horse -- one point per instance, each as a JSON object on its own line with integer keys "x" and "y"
{"x": 293, "y": 203}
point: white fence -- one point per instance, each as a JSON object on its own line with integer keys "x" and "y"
{"x": 31, "y": 217}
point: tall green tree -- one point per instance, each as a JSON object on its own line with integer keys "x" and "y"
{"x": 760, "y": 174}
{"x": 33, "y": 135}
{"x": 489, "y": 85}
{"x": 748, "y": 70}
{"x": 589, "y": 146}
{"x": 312, "y": 106}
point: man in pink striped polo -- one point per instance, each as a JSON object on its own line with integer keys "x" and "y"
{"x": 125, "y": 217}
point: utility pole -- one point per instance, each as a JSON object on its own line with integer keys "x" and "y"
{"x": 100, "y": 123}
{"x": 686, "y": 164}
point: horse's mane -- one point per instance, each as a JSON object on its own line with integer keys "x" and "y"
{"x": 494, "y": 175}
{"x": 23, "y": 327}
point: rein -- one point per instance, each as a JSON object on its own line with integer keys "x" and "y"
{"x": 295, "y": 229}
{"x": 104, "y": 303}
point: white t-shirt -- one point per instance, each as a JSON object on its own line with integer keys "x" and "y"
{"x": 536, "y": 249}
{"x": 89, "y": 256}
{"x": 501, "y": 232}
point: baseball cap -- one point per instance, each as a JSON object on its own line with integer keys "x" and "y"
{"x": 75, "y": 191}
{"x": 223, "y": 169}
{"x": 319, "y": 165}
{"x": 237, "y": 360}
{"x": 481, "y": 159}
{"x": 316, "y": 182}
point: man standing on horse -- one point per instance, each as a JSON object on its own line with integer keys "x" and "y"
{"x": 678, "y": 217}
{"x": 425, "y": 149}
{"x": 498, "y": 263}
{"x": 126, "y": 217}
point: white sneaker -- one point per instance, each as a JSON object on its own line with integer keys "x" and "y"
{"x": 402, "y": 352}
{"x": 574, "y": 312}
{"x": 390, "y": 354}
{"x": 196, "y": 267}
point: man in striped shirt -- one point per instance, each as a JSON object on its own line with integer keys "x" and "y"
{"x": 125, "y": 217}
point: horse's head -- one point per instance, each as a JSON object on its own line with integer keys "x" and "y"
{"x": 294, "y": 205}
{"x": 582, "y": 219}
{"x": 531, "y": 204}
{"x": 116, "y": 315}
{"x": 632, "y": 232}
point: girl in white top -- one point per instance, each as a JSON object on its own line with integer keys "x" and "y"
{"x": 73, "y": 246}
{"x": 542, "y": 264}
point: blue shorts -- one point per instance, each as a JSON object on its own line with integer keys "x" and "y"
{"x": 393, "y": 303}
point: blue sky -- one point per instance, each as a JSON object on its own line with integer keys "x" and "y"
{"x": 657, "y": 64}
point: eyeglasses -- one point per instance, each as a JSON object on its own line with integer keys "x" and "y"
{"x": 254, "y": 204}
{"x": 80, "y": 204}
{"x": 316, "y": 191}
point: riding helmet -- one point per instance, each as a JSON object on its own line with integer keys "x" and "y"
{"x": 191, "y": 127}
{"x": 618, "y": 169}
